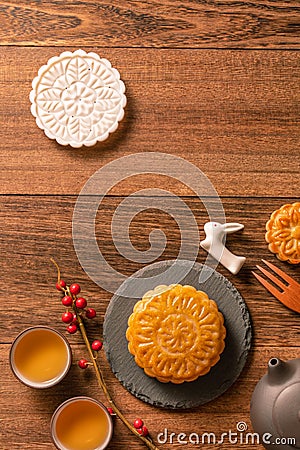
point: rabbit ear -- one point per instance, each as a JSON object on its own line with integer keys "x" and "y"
{"x": 232, "y": 227}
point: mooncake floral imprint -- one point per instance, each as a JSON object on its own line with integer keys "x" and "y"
{"x": 283, "y": 233}
{"x": 78, "y": 98}
{"x": 176, "y": 333}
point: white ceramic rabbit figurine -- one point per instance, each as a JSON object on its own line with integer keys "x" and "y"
{"x": 214, "y": 244}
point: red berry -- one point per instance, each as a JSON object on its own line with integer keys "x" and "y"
{"x": 67, "y": 317}
{"x": 97, "y": 345}
{"x": 60, "y": 285}
{"x": 67, "y": 300}
{"x": 72, "y": 328}
{"x": 90, "y": 313}
{"x": 75, "y": 289}
{"x": 143, "y": 431}
{"x": 81, "y": 303}
{"x": 83, "y": 363}
{"x": 138, "y": 423}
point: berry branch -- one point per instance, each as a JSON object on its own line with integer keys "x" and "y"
{"x": 75, "y": 320}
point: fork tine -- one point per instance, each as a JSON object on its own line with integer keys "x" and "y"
{"x": 269, "y": 286}
{"x": 272, "y": 277}
{"x": 280, "y": 272}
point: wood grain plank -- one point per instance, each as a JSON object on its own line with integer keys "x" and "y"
{"x": 34, "y": 229}
{"x": 212, "y": 81}
{"x": 218, "y": 416}
{"x": 233, "y": 114}
{"x": 149, "y": 23}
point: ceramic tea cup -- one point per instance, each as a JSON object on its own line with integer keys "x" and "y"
{"x": 81, "y": 423}
{"x": 40, "y": 357}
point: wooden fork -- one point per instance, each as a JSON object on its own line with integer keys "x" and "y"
{"x": 289, "y": 294}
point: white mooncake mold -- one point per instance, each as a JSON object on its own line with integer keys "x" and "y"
{"x": 78, "y": 98}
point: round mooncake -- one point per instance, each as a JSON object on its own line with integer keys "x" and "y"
{"x": 283, "y": 233}
{"x": 176, "y": 333}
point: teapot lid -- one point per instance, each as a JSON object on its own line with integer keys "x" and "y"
{"x": 286, "y": 414}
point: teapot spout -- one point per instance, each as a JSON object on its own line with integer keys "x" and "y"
{"x": 279, "y": 371}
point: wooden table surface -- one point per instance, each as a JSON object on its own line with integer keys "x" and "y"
{"x": 216, "y": 83}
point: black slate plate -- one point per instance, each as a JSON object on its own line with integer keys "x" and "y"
{"x": 205, "y": 388}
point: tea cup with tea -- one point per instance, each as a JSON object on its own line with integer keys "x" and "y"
{"x": 81, "y": 423}
{"x": 40, "y": 357}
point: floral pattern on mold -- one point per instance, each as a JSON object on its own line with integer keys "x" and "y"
{"x": 78, "y": 98}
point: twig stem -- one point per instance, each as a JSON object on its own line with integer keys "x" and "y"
{"x": 98, "y": 370}
{"x": 103, "y": 386}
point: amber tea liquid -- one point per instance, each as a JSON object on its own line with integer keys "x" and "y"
{"x": 81, "y": 423}
{"x": 40, "y": 357}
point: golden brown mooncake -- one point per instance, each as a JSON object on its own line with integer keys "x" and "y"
{"x": 176, "y": 333}
{"x": 283, "y": 233}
